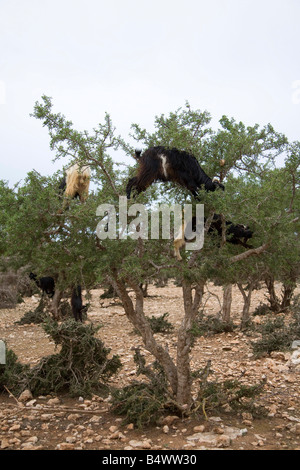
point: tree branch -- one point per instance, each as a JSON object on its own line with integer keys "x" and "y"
{"x": 252, "y": 252}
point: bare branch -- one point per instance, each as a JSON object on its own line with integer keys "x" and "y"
{"x": 252, "y": 252}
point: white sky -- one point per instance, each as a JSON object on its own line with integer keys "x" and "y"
{"x": 136, "y": 59}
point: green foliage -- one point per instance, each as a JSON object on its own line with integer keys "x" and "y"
{"x": 276, "y": 335}
{"x": 139, "y": 403}
{"x": 210, "y": 325}
{"x": 214, "y": 395}
{"x": 143, "y": 403}
{"x": 160, "y": 324}
{"x": 36, "y": 231}
{"x": 11, "y": 373}
{"x": 38, "y": 315}
{"x": 82, "y": 366}
{"x": 261, "y": 309}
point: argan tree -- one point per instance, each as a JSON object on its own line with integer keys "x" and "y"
{"x": 65, "y": 243}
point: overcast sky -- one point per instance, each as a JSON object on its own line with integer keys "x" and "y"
{"x": 136, "y": 59}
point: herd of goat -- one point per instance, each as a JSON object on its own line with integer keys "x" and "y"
{"x": 155, "y": 164}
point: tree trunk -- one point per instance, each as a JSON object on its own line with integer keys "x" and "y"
{"x": 273, "y": 299}
{"x": 247, "y": 303}
{"x": 288, "y": 290}
{"x": 184, "y": 343}
{"x": 137, "y": 317}
{"x": 227, "y": 300}
{"x": 54, "y": 308}
{"x": 179, "y": 376}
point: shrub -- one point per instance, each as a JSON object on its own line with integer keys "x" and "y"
{"x": 80, "y": 368}
{"x": 11, "y": 373}
{"x": 159, "y": 324}
{"x": 213, "y": 395}
{"x": 210, "y": 325}
{"x": 276, "y": 336}
{"x": 143, "y": 403}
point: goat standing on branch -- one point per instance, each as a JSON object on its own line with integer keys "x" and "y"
{"x": 163, "y": 164}
{"x": 237, "y": 234}
{"x": 46, "y": 284}
{"x": 76, "y": 182}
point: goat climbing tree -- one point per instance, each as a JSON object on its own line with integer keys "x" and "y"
{"x": 256, "y": 194}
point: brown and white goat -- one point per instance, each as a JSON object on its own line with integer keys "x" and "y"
{"x": 164, "y": 164}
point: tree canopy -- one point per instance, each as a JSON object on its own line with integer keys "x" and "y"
{"x": 37, "y": 233}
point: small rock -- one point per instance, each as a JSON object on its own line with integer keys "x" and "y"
{"x": 73, "y": 417}
{"x": 200, "y": 428}
{"x": 113, "y": 429}
{"x": 31, "y": 402}
{"x": 25, "y": 396}
{"x": 32, "y": 439}
{"x": 4, "y": 444}
{"x": 169, "y": 419}
{"x": 54, "y": 401}
{"x": 296, "y": 429}
{"x": 218, "y": 430}
{"x": 95, "y": 419}
{"x": 247, "y": 416}
{"x": 65, "y": 446}
{"x": 278, "y": 355}
{"x": 46, "y": 416}
{"x": 223, "y": 441}
{"x": 295, "y": 357}
{"x": 15, "y": 427}
{"x": 140, "y": 444}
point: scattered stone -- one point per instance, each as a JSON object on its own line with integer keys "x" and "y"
{"x": 54, "y": 401}
{"x": 66, "y": 446}
{"x": 73, "y": 417}
{"x": 169, "y": 420}
{"x": 31, "y": 402}
{"x": 4, "y": 444}
{"x": 223, "y": 441}
{"x": 15, "y": 427}
{"x": 295, "y": 357}
{"x": 212, "y": 439}
{"x": 200, "y": 428}
{"x": 46, "y": 416}
{"x": 140, "y": 444}
{"x": 25, "y": 396}
{"x": 113, "y": 429}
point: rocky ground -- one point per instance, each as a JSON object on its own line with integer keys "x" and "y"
{"x": 57, "y": 422}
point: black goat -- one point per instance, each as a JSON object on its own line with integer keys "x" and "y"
{"x": 236, "y": 234}
{"x": 163, "y": 164}
{"x": 46, "y": 283}
{"x": 76, "y": 303}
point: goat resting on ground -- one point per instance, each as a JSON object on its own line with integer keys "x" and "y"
{"x": 163, "y": 164}
{"x": 237, "y": 234}
{"x": 46, "y": 284}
